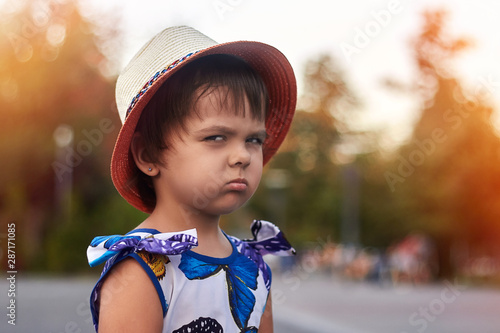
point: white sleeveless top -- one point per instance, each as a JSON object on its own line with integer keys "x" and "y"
{"x": 198, "y": 293}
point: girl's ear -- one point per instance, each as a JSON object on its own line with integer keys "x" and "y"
{"x": 141, "y": 156}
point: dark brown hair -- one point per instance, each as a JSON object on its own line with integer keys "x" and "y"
{"x": 166, "y": 112}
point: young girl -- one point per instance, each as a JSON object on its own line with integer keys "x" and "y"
{"x": 200, "y": 120}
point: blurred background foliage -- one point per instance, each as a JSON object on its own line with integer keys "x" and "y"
{"x": 328, "y": 183}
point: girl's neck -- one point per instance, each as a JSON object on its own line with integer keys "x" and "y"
{"x": 174, "y": 219}
{"x": 211, "y": 240}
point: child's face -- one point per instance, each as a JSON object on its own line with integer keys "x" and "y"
{"x": 214, "y": 166}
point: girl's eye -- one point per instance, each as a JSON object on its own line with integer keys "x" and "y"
{"x": 257, "y": 141}
{"x": 215, "y": 138}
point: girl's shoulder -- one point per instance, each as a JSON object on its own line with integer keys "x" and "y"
{"x": 104, "y": 248}
{"x": 127, "y": 256}
{"x": 126, "y": 282}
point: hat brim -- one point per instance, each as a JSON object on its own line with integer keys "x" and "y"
{"x": 278, "y": 77}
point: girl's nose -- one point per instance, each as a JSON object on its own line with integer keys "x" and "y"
{"x": 240, "y": 156}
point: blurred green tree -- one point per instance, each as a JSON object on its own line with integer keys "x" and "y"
{"x": 53, "y": 90}
{"x": 446, "y": 177}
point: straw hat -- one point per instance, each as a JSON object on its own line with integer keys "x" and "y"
{"x": 167, "y": 53}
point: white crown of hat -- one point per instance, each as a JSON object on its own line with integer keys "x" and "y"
{"x": 162, "y": 50}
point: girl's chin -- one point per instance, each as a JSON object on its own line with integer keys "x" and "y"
{"x": 228, "y": 208}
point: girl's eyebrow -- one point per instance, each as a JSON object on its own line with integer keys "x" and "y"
{"x": 229, "y": 131}
{"x": 217, "y": 129}
{"x": 262, "y": 134}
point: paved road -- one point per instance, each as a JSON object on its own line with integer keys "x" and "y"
{"x": 319, "y": 304}
{"x": 303, "y": 303}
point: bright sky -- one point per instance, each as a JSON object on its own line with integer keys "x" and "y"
{"x": 303, "y": 29}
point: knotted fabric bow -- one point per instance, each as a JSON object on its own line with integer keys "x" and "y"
{"x": 269, "y": 239}
{"x": 103, "y": 248}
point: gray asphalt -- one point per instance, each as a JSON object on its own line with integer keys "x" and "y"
{"x": 303, "y": 303}
{"x": 321, "y": 304}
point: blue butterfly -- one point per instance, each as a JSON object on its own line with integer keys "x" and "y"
{"x": 241, "y": 279}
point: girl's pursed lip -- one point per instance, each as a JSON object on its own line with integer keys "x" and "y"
{"x": 239, "y": 184}
{"x": 239, "y": 181}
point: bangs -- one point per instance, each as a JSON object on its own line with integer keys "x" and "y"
{"x": 240, "y": 82}
{"x": 233, "y": 100}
